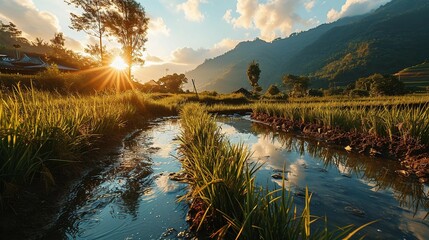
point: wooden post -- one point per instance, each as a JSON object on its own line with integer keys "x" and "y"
{"x": 193, "y": 83}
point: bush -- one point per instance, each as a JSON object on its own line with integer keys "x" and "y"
{"x": 315, "y": 93}
{"x": 359, "y": 93}
{"x": 273, "y": 90}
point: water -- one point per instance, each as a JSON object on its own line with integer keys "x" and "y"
{"x": 134, "y": 199}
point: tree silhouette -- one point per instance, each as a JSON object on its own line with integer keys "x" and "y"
{"x": 57, "y": 43}
{"x": 91, "y": 21}
{"x": 172, "y": 83}
{"x": 253, "y": 73}
{"x": 127, "y": 21}
{"x": 297, "y": 85}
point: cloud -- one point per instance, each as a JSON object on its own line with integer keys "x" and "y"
{"x": 154, "y": 59}
{"x": 73, "y": 44}
{"x": 310, "y": 5}
{"x": 33, "y": 22}
{"x": 354, "y": 7}
{"x": 227, "y": 16}
{"x": 191, "y": 8}
{"x": 188, "y": 55}
{"x": 224, "y": 45}
{"x": 272, "y": 18}
{"x": 192, "y": 56}
{"x": 158, "y": 26}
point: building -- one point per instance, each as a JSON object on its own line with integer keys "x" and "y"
{"x": 27, "y": 65}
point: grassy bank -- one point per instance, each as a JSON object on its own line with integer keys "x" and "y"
{"x": 41, "y": 131}
{"x": 402, "y": 117}
{"x": 225, "y": 200}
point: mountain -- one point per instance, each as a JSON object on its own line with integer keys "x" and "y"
{"x": 385, "y": 41}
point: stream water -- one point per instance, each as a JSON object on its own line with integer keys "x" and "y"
{"x": 133, "y": 198}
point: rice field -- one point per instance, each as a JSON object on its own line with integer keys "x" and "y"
{"x": 40, "y": 131}
{"x": 406, "y": 117}
{"x": 224, "y": 193}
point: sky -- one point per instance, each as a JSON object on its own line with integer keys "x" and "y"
{"x": 183, "y": 33}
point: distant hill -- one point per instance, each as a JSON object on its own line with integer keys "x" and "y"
{"x": 415, "y": 77}
{"x": 385, "y": 41}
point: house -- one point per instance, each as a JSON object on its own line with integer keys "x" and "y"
{"x": 28, "y": 65}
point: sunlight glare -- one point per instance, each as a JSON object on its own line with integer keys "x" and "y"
{"x": 119, "y": 64}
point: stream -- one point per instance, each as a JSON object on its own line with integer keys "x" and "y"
{"x": 133, "y": 198}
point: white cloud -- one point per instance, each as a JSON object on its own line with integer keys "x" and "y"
{"x": 310, "y": 5}
{"x": 224, "y": 45}
{"x": 227, "y": 16}
{"x": 188, "y": 55}
{"x": 354, "y": 7}
{"x": 191, "y": 8}
{"x": 192, "y": 56}
{"x": 33, "y": 22}
{"x": 273, "y": 18}
{"x": 73, "y": 44}
{"x": 158, "y": 26}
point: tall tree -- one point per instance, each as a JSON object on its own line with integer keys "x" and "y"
{"x": 57, "y": 43}
{"x": 173, "y": 83}
{"x": 297, "y": 85}
{"x": 127, "y": 21}
{"x": 91, "y": 21}
{"x": 253, "y": 73}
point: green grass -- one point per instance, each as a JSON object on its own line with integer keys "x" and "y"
{"x": 222, "y": 177}
{"x": 40, "y": 131}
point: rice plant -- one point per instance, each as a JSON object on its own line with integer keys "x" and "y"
{"x": 221, "y": 176}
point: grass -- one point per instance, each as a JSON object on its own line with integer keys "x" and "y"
{"x": 222, "y": 177}
{"x": 40, "y": 131}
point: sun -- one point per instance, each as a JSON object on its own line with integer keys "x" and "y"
{"x": 119, "y": 64}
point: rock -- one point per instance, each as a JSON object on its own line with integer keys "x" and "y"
{"x": 278, "y": 176}
{"x": 423, "y": 180}
{"x": 373, "y": 152}
{"x": 403, "y": 173}
{"x": 347, "y": 175}
{"x": 355, "y": 211}
{"x": 179, "y": 177}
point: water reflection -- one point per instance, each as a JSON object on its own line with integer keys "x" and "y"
{"x": 377, "y": 173}
{"x": 347, "y": 188}
{"x": 132, "y": 197}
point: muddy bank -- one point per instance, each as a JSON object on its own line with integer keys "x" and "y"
{"x": 414, "y": 156}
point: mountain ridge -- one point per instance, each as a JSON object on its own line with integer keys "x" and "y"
{"x": 386, "y": 40}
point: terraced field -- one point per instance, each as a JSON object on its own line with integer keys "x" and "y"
{"x": 415, "y": 77}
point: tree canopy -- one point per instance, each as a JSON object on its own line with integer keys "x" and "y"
{"x": 126, "y": 20}
{"x": 379, "y": 85}
{"x": 297, "y": 85}
{"x": 253, "y": 74}
{"x": 172, "y": 83}
{"x": 91, "y": 21}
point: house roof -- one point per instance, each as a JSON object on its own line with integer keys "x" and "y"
{"x": 28, "y": 61}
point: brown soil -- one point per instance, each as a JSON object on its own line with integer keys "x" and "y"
{"x": 413, "y": 155}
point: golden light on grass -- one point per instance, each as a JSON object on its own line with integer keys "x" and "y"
{"x": 119, "y": 64}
